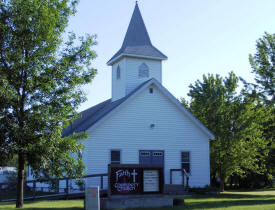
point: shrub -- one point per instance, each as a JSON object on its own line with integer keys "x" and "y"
{"x": 202, "y": 190}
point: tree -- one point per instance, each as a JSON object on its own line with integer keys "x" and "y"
{"x": 263, "y": 66}
{"x": 40, "y": 86}
{"x": 234, "y": 120}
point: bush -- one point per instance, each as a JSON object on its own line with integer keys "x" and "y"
{"x": 202, "y": 190}
{"x": 255, "y": 181}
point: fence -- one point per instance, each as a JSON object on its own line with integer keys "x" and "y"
{"x": 61, "y": 187}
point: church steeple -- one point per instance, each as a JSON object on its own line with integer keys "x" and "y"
{"x": 136, "y": 34}
{"x": 137, "y": 42}
{"x": 137, "y": 60}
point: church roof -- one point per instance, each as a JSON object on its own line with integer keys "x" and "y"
{"x": 91, "y": 116}
{"x": 137, "y": 42}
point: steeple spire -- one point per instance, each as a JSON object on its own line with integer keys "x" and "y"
{"x": 137, "y": 42}
{"x": 136, "y": 34}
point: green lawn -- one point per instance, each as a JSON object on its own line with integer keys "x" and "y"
{"x": 46, "y": 205}
{"x": 256, "y": 200}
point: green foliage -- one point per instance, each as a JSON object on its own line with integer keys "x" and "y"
{"x": 263, "y": 65}
{"x": 9, "y": 160}
{"x": 202, "y": 190}
{"x": 255, "y": 181}
{"x": 40, "y": 85}
{"x": 185, "y": 103}
{"x": 236, "y": 123}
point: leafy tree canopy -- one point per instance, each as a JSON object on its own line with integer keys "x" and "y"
{"x": 40, "y": 80}
{"x": 235, "y": 122}
{"x": 263, "y": 66}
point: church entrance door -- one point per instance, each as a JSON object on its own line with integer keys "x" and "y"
{"x": 151, "y": 157}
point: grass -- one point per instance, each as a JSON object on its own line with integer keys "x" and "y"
{"x": 230, "y": 200}
{"x": 46, "y": 205}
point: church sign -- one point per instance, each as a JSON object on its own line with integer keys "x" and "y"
{"x": 151, "y": 181}
{"x": 132, "y": 179}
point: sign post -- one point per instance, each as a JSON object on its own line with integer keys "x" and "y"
{"x": 92, "y": 200}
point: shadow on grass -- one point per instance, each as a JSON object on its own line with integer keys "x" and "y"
{"x": 43, "y": 208}
{"x": 222, "y": 201}
{"x": 254, "y": 190}
{"x": 231, "y": 196}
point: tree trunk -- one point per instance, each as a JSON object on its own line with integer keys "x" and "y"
{"x": 221, "y": 185}
{"x": 20, "y": 182}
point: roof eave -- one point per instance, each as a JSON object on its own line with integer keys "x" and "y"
{"x": 210, "y": 135}
{"x": 112, "y": 61}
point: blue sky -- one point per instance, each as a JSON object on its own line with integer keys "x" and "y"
{"x": 198, "y": 36}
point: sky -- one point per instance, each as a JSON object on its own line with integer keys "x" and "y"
{"x": 198, "y": 36}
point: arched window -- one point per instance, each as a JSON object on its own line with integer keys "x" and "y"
{"x": 118, "y": 72}
{"x": 143, "y": 71}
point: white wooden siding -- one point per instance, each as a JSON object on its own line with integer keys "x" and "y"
{"x": 119, "y": 85}
{"x": 132, "y": 77}
{"x": 128, "y": 129}
{"x": 129, "y": 78}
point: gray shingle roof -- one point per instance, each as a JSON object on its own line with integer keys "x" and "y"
{"x": 92, "y": 115}
{"x": 137, "y": 41}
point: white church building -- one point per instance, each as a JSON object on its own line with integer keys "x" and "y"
{"x": 143, "y": 123}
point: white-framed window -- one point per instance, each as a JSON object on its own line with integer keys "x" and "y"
{"x": 143, "y": 71}
{"x": 115, "y": 156}
{"x": 185, "y": 161}
{"x": 118, "y": 72}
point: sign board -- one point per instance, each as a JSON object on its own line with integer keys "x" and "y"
{"x": 125, "y": 180}
{"x": 151, "y": 180}
{"x": 132, "y": 179}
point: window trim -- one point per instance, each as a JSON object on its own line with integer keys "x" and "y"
{"x": 181, "y": 161}
{"x": 142, "y": 71}
{"x": 110, "y": 156}
{"x": 118, "y": 72}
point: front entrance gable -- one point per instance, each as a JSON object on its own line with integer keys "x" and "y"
{"x": 148, "y": 91}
